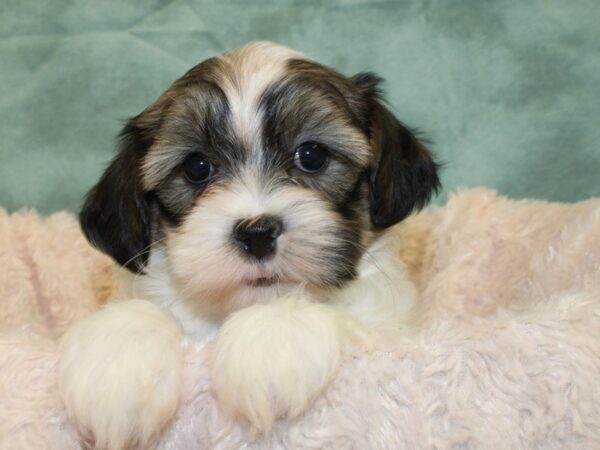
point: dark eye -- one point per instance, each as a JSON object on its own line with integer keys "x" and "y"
{"x": 310, "y": 157}
{"x": 197, "y": 168}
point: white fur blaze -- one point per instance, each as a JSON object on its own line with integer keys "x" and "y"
{"x": 252, "y": 69}
{"x": 120, "y": 374}
{"x": 271, "y": 361}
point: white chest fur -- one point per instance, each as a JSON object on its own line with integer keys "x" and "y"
{"x": 380, "y": 298}
{"x": 269, "y": 360}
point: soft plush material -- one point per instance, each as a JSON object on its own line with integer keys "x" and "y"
{"x": 506, "y": 91}
{"x": 507, "y": 354}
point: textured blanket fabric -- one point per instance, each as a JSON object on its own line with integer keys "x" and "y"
{"x": 507, "y": 354}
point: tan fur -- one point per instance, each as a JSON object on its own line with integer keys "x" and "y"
{"x": 412, "y": 240}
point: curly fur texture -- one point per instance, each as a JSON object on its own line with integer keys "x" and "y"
{"x": 507, "y": 354}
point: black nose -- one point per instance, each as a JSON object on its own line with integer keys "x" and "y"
{"x": 257, "y": 236}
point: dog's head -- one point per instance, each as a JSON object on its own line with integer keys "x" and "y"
{"x": 255, "y": 172}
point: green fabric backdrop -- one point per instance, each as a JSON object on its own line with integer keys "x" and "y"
{"x": 508, "y": 91}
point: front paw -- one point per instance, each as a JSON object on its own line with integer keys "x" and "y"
{"x": 271, "y": 361}
{"x": 120, "y": 374}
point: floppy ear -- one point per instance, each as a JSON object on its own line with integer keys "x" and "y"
{"x": 404, "y": 175}
{"x": 116, "y": 215}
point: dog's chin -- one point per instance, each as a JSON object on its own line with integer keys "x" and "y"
{"x": 220, "y": 301}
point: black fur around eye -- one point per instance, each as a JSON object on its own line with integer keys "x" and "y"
{"x": 197, "y": 168}
{"x": 310, "y": 157}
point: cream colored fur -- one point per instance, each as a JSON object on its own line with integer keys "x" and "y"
{"x": 200, "y": 249}
{"x": 271, "y": 361}
{"x": 120, "y": 374}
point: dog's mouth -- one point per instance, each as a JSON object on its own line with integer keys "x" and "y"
{"x": 263, "y": 281}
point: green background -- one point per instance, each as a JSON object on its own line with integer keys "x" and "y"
{"x": 508, "y": 91}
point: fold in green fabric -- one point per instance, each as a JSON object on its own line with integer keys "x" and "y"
{"x": 508, "y": 92}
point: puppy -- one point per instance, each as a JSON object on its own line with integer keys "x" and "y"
{"x": 250, "y": 203}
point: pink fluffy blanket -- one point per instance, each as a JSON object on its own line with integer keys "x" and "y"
{"x": 507, "y": 354}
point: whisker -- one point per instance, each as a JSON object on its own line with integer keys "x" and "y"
{"x": 147, "y": 273}
{"x": 392, "y": 287}
{"x": 144, "y": 251}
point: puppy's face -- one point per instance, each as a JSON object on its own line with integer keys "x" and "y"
{"x": 256, "y": 172}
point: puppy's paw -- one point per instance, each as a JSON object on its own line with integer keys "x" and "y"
{"x": 120, "y": 374}
{"x": 271, "y": 361}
